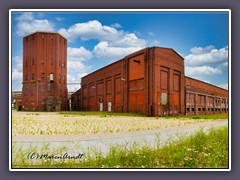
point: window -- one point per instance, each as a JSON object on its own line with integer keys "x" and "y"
{"x": 193, "y": 109}
{"x": 60, "y": 78}
{"x": 42, "y": 75}
{"x": 42, "y": 61}
{"x": 32, "y": 61}
{"x": 26, "y": 77}
{"x": 188, "y": 109}
{"x": 199, "y": 109}
{"x": 32, "y": 76}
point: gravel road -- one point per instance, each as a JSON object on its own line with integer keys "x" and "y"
{"x": 102, "y": 142}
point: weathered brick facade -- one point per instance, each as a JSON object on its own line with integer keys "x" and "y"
{"x": 150, "y": 82}
{"x": 204, "y": 98}
{"x": 44, "y": 72}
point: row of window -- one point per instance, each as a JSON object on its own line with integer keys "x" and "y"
{"x": 42, "y": 62}
{"x": 52, "y": 37}
{"x": 43, "y": 75}
{"x": 209, "y": 109}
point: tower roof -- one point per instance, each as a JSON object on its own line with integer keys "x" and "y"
{"x": 48, "y": 32}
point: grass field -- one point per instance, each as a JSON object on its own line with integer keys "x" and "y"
{"x": 198, "y": 151}
{"x": 67, "y": 123}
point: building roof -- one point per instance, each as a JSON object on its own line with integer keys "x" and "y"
{"x": 49, "y": 32}
{"x": 132, "y": 54}
{"x": 206, "y": 83}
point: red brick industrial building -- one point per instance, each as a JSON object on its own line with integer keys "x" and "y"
{"x": 44, "y": 72}
{"x": 150, "y": 82}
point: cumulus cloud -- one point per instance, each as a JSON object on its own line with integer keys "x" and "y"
{"x": 17, "y": 73}
{"x": 59, "y": 19}
{"x": 116, "y": 25}
{"x": 16, "y": 79}
{"x": 104, "y": 50}
{"x": 201, "y": 70}
{"x": 206, "y": 55}
{"x": 76, "y": 68}
{"x": 223, "y": 65}
{"x": 91, "y": 30}
{"x": 78, "y": 54}
{"x": 27, "y": 23}
{"x": 151, "y": 34}
{"x": 113, "y": 44}
{"x": 224, "y": 86}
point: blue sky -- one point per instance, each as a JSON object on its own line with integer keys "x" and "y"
{"x": 96, "y": 39}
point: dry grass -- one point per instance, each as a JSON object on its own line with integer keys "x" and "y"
{"x": 59, "y": 124}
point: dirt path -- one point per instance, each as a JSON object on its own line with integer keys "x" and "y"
{"x": 92, "y": 137}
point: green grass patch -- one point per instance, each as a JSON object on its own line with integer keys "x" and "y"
{"x": 198, "y": 151}
{"x": 207, "y": 116}
{"x": 98, "y": 113}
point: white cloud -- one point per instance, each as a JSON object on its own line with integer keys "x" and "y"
{"x": 76, "y": 68}
{"x": 27, "y": 23}
{"x": 201, "y": 70}
{"x": 151, "y": 34}
{"x": 224, "y": 86}
{"x": 17, "y": 73}
{"x": 206, "y": 55}
{"x": 16, "y": 79}
{"x": 223, "y": 65}
{"x": 91, "y": 30}
{"x": 113, "y": 44}
{"x": 105, "y": 51}
{"x": 59, "y": 19}
{"x": 26, "y": 16}
{"x": 78, "y": 54}
{"x": 154, "y": 43}
{"x": 129, "y": 40}
{"x": 116, "y": 25}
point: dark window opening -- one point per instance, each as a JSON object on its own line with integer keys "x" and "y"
{"x": 32, "y": 76}
{"x": 209, "y": 109}
{"x": 32, "y": 61}
{"x": 199, "y": 109}
{"x": 188, "y": 109}
{"x": 203, "y": 109}
{"x": 193, "y": 109}
{"x": 42, "y": 75}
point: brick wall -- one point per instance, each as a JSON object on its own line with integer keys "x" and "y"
{"x": 204, "y": 98}
{"x": 44, "y": 54}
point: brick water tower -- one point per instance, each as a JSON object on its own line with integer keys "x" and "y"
{"x": 44, "y": 72}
